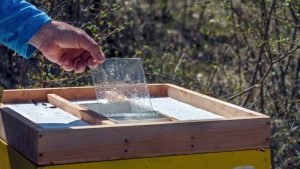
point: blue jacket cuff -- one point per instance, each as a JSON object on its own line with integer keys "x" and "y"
{"x": 25, "y": 49}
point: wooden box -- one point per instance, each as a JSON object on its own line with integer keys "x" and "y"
{"x": 102, "y": 140}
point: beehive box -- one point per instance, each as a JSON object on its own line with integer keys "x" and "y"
{"x": 202, "y": 128}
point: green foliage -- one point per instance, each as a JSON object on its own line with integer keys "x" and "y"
{"x": 245, "y": 52}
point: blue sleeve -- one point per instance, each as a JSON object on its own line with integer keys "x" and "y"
{"x": 19, "y": 21}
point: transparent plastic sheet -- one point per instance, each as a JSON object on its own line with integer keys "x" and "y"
{"x": 121, "y": 90}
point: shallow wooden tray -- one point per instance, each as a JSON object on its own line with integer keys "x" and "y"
{"x": 240, "y": 129}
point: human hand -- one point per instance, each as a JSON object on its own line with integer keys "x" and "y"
{"x": 67, "y": 46}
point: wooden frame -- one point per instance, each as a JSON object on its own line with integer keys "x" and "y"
{"x": 241, "y": 129}
{"x": 245, "y": 159}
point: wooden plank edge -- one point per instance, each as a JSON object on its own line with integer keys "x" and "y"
{"x": 40, "y": 94}
{"x": 161, "y": 123}
{"x": 208, "y": 103}
{"x": 82, "y": 93}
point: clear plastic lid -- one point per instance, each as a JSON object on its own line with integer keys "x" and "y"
{"x": 121, "y": 89}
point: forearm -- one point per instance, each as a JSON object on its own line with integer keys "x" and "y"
{"x": 24, "y": 28}
{"x": 19, "y": 21}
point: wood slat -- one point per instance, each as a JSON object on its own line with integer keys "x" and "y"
{"x": 69, "y": 93}
{"x": 208, "y": 103}
{"x": 40, "y": 95}
{"x": 78, "y": 111}
{"x": 158, "y": 90}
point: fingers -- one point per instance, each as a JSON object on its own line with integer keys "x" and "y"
{"x": 80, "y": 67}
{"x": 70, "y": 47}
{"x": 91, "y": 63}
{"x": 69, "y": 55}
{"x": 67, "y": 68}
{"x": 87, "y": 43}
{"x": 77, "y": 60}
{"x": 74, "y": 38}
